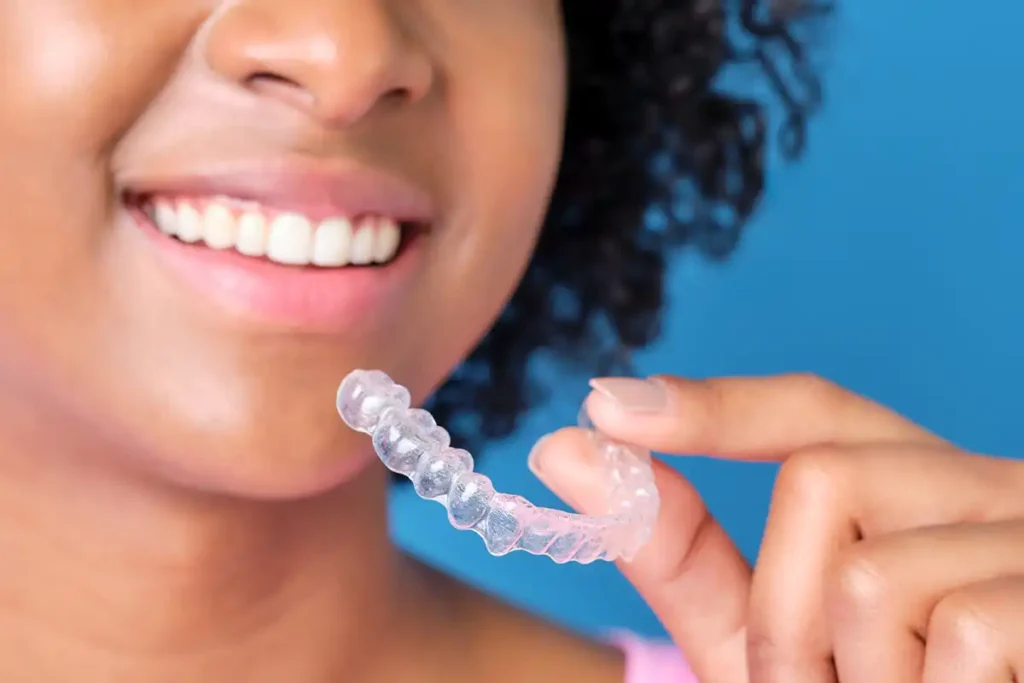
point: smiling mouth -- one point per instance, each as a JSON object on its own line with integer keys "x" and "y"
{"x": 286, "y": 238}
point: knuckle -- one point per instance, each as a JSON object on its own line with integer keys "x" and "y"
{"x": 859, "y": 586}
{"x": 821, "y": 397}
{"x": 811, "y": 475}
{"x": 764, "y": 647}
{"x": 814, "y": 389}
{"x": 772, "y": 654}
{"x": 962, "y": 625}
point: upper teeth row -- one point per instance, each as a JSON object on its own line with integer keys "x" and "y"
{"x": 287, "y": 238}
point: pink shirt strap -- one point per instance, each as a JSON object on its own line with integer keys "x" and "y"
{"x": 653, "y": 662}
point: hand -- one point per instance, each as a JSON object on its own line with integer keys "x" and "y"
{"x": 890, "y": 556}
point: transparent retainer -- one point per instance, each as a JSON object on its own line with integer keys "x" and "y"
{"x": 410, "y": 443}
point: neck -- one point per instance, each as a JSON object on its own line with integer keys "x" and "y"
{"x": 116, "y": 577}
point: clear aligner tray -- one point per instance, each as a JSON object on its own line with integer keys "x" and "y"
{"x": 408, "y": 441}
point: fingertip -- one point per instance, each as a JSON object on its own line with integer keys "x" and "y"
{"x": 566, "y": 463}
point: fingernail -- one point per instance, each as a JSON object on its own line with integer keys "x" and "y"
{"x": 633, "y": 395}
{"x": 535, "y": 460}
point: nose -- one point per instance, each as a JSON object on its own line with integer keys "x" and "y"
{"x": 336, "y": 60}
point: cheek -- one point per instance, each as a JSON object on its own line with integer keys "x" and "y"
{"x": 507, "y": 123}
{"x": 75, "y": 75}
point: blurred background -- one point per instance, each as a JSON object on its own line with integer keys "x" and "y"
{"x": 888, "y": 259}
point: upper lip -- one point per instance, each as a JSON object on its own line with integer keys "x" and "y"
{"x": 309, "y": 189}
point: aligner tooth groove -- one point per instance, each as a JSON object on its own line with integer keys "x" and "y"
{"x": 410, "y": 442}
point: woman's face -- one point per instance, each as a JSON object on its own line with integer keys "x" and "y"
{"x": 200, "y": 209}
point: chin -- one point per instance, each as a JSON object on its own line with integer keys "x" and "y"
{"x": 267, "y": 463}
{"x": 268, "y": 430}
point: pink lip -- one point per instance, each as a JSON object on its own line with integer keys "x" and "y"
{"x": 327, "y": 300}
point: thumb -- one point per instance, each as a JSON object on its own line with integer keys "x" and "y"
{"x": 690, "y": 573}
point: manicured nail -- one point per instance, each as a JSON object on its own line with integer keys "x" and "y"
{"x": 633, "y": 395}
{"x": 535, "y": 460}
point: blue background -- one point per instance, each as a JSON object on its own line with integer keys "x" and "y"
{"x": 888, "y": 260}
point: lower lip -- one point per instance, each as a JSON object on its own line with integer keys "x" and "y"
{"x": 318, "y": 299}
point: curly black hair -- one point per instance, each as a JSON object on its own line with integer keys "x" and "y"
{"x": 657, "y": 155}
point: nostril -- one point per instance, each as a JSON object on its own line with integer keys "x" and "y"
{"x": 397, "y": 96}
{"x": 267, "y": 77}
{"x": 281, "y": 87}
{"x": 271, "y": 76}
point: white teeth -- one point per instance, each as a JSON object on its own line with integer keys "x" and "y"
{"x": 386, "y": 240}
{"x": 332, "y": 243}
{"x": 219, "y": 232}
{"x": 252, "y": 235}
{"x": 362, "y": 244}
{"x": 291, "y": 240}
{"x": 190, "y": 224}
{"x": 166, "y": 218}
{"x": 287, "y": 238}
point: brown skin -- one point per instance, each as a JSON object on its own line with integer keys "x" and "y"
{"x": 178, "y": 500}
{"x": 889, "y": 555}
{"x": 180, "y": 497}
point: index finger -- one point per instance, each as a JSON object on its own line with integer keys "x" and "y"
{"x": 748, "y": 418}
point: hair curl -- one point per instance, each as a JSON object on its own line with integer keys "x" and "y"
{"x": 657, "y": 155}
